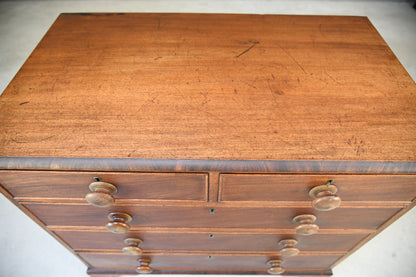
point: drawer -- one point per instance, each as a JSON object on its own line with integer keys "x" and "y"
{"x": 212, "y": 241}
{"x": 147, "y": 186}
{"x": 275, "y": 187}
{"x": 200, "y": 217}
{"x": 206, "y": 262}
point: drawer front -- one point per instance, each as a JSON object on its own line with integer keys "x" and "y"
{"x": 275, "y": 187}
{"x": 147, "y": 186}
{"x": 208, "y": 241}
{"x": 200, "y": 217}
{"x": 202, "y": 262}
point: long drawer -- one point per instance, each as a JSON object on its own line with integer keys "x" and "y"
{"x": 206, "y": 262}
{"x": 209, "y": 241}
{"x": 200, "y": 216}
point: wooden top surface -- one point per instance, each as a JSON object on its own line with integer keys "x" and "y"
{"x": 192, "y": 86}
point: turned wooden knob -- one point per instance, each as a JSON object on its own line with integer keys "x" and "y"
{"x": 306, "y": 226}
{"x": 325, "y": 198}
{"x": 101, "y": 194}
{"x": 274, "y": 267}
{"x": 132, "y": 247}
{"x": 288, "y": 247}
{"x": 144, "y": 267}
{"x": 118, "y": 222}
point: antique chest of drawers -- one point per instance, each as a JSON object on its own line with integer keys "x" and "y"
{"x": 213, "y": 144}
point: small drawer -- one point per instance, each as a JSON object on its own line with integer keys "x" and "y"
{"x": 206, "y": 262}
{"x": 279, "y": 187}
{"x": 213, "y": 241}
{"x": 143, "y": 186}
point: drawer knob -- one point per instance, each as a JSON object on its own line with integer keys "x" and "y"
{"x": 306, "y": 225}
{"x": 101, "y": 194}
{"x": 325, "y": 198}
{"x": 118, "y": 222}
{"x": 132, "y": 247}
{"x": 274, "y": 267}
{"x": 144, "y": 267}
{"x": 289, "y": 248}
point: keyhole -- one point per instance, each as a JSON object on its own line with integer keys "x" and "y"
{"x": 211, "y": 235}
{"x": 212, "y": 211}
{"x": 97, "y": 179}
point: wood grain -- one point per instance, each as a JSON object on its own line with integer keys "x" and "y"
{"x": 194, "y": 165}
{"x": 226, "y": 87}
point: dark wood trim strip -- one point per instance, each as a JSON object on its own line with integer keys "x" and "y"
{"x": 170, "y": 165}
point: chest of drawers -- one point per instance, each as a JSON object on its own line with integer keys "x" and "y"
{"x": 213, "y": 144}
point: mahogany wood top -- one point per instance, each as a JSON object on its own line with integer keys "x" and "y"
{"x": 224, "y": 87}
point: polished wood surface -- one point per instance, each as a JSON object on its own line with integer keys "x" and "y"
{"x": 228, "y": 87}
